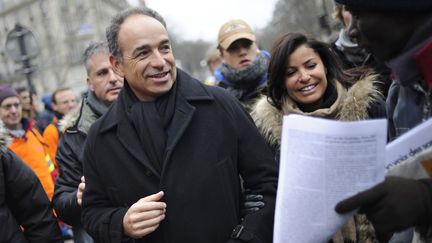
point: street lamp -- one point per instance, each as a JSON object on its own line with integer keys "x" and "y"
{"x": 22, "y": 46}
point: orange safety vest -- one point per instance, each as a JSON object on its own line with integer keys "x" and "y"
{"x": 51, "y": 137}
{"x": 31, "y": 149}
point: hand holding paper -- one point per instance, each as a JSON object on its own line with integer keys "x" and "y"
{"x": 392, "y": 206}
{"x": 322, "y": 162}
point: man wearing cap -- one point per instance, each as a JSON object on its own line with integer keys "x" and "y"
{"x": 398, "y": 32}
{"x": 243, "y": 71}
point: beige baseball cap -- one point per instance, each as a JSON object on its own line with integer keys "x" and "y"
{"x": 233, "y": 30}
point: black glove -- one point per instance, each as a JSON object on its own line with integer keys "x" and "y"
{"x": 252, "y": 203}
{"x": 393, "y": 205}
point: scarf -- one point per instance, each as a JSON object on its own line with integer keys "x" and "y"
{"x": 91, "y": 109}
{"x": 246, "y": 82}
{"x": 332, "y": 100}
{"x": 20, "y": 131}
{"x": 95, "y": 104}
{"x": 151, "y": 120}
{"x": 352, "y": 52}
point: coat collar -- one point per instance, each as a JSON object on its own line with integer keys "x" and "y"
{"x": 188, "y": 87}
{"x": 354, "y": 106}
{"x": 189, "y": 91}
{"x": 405, "y": 65}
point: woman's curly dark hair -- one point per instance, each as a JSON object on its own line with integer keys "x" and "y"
{"x": 280, "y": 53}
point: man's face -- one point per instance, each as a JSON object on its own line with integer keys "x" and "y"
{"x": 25, "y": 100}
{"x": 148, "y": 62}
{"x": 382, "y": 34}
{"x": 10, "y": 112}
{"x": 65, "y": 101}
{"x": 240, "y": 54}
{"x": 102, "y": 79}
{"x": 346, "y": 17}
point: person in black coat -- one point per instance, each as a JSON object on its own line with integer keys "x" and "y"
{"x": 164, "y": 163}
{"x": 398, "y": 203}
{"x": 104, "y": 87}
{"x": 25, "y": 211}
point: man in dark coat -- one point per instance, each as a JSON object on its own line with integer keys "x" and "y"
{"x": 397, "y": 203}
{"x": 164, "y": 163}
{"x": 25, "y": 211}
{"x": 104, "y": 87}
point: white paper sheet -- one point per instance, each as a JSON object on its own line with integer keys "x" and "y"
{"x": 410, "y": 155}
{"x": 322, "y": 162}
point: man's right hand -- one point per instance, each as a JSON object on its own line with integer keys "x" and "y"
{"x": 80, "y": 191}
{"x": 144, "y": 216}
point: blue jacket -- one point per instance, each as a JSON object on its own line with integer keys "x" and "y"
{"x": 409, "y": 100}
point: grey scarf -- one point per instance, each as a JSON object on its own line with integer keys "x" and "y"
{"x": 95, "y": 104}
{"x": 246, "y": 79}
{"x": 92, "y": 109}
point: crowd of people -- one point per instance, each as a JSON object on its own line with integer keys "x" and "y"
{"x": 151, "y": 154}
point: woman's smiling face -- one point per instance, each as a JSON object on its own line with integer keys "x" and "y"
{"x": 305, "y": 78}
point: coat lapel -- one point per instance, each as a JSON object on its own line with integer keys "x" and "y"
{"x": 130, "y": 141}
{"x": 190, "y": 90}
{"x": 182, "y": 117}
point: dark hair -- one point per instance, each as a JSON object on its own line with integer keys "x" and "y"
{"x": 21, "y": 89}
{"x": 113, "y": 29}
{"x": 280, "y": 53}
{"x": 93, "y": 48}
{"x": 53, "y": 96}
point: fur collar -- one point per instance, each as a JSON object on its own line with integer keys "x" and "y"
{"x": 69, "y": 120}
{"x": 355, "y": 106}
{"x": 5, "y": 138}
{"x": 82, "y": 118}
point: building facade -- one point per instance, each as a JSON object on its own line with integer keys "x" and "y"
{"x": 63, "y": 29}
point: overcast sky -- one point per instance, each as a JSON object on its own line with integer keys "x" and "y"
{"x": 201, "y": 19}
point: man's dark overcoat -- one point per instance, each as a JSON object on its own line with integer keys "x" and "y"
{"x": 211, "y": 141}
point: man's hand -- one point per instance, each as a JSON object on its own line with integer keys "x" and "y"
{"x": 80, "y": 191}
{"x": 393, "y": 205}
{"x": 144, "y": 216}
{"x": 252, "y": 203}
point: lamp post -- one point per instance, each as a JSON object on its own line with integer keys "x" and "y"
{"x": 324, "y": 19}
{"x": 22, "y": 46}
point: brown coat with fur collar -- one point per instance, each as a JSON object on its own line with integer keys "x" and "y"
{"x": 357, "y": 103}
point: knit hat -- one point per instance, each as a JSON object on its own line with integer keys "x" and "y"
{"x": 233, "y": 30}
{"x": 6, "y": 91}
{"x": 389, "y": 5}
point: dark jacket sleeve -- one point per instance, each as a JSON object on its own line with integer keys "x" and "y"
{"x": 257, "y": 167}
{"x": 377, "y": 109}
{"x": 28, "y": 202}
{"x": 392, "y": 100}
{"x": 66, "y": 186}
{"x": 102, "y": 220}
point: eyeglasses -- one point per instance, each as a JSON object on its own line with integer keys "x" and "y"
{"x": 9, "y": 106}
